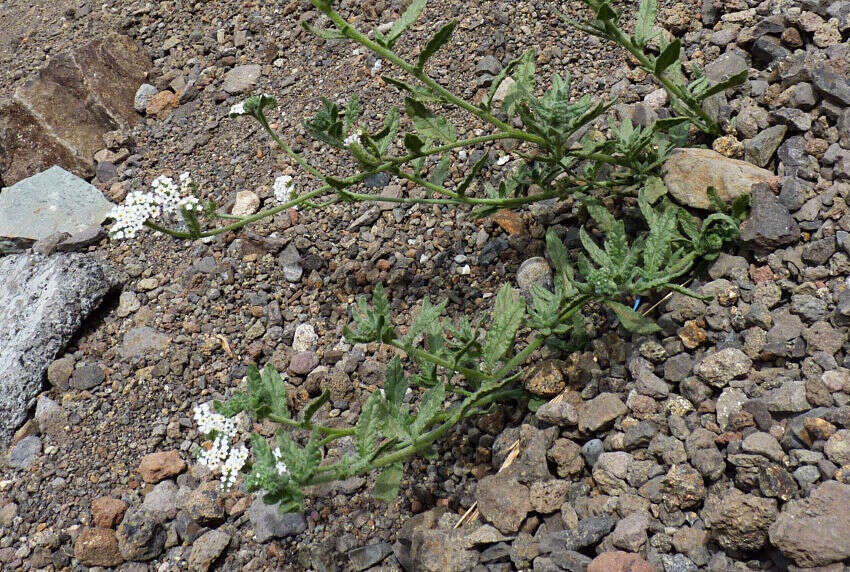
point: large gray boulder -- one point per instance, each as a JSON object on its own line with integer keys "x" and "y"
{"x": 49, "y": 202}
{"x": 43, "y": 301}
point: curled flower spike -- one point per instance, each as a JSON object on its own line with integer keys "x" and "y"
{"x": 220, "y": 457}
{"x": 281, "y": 467}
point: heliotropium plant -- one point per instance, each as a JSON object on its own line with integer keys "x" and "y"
{"x": 465, "y": 366}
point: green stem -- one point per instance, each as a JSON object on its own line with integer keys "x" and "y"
{"x": 336, "y": 433}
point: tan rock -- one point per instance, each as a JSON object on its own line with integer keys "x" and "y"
{"x": 689, "y": 172}
{"x": 619, "y": 561}
{"x": 97, "y": 547}
{"x": 161, "y": 465}
{"x": 161, "y": 104}
{"x": 107, "y": 511}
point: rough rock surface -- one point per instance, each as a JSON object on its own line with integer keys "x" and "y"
{"x": 49, "y": 202}
{"x": 42, "y": 303}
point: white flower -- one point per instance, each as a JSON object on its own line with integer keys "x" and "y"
{"x": 231, "y": 467}
{"x": 502, "y": 160}
{"x": 237, "y": 109}
{"x": 351, "y": 139}
{"x": 281, "y": 467}
{"x": 139, "y": 207}
{"x": 220, "y": 457}
{"x": 190, "y": 204}
{"x": 283, "y": 188}
{"x": 376, "y": 67}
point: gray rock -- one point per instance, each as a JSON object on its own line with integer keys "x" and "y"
{"x": 128, "y": 303}
{"x": 725, "y": 66}
{"x": 50, "y": 416}
{"x": 488, "y": 65}
{"x": 793, "y": 118}
{"x": 78, "y": 241}
{"x": 831, "y": 84}
{"x": 534, "y": 271}
{"x": 600, "y": 412}
{"x": 143, "y": 97}
{"x": 814, "y": 531}
{"x": 503, "y": 501}
{"x": 23, "y": 454}
{"x": 739, "y": 521}
{"x": 721, "y": 367}
{"x": 807, "y": 475}
{"x": 367, "y": 556}
{"x": 557, "y": 413}
{"x": 268, "y": 523}
{"x": 765, "y": 444}
{"x": 303, "y": 363}
{"x": 768, "y": 49}
{"x": 305, "y": 338}
{"x": 837, "y": 447}
{"x": 49, "y": 202}
{"x": 142, "y": 340}
{"x": 630, "y": 532}
{"x": 770, "y": 224}
{"x": 140, "y": 537}
{"x": 161, "y": 502}
{"x": 87, "y": 376}
{"x": 760, "y": 149}
{"x": 207, "y": 548}
{"x": 42, "y": 303}
{"x": 588, "y": 532}
{"x": 689, "y": 172}
{"x": 678, "y": 563}
{"x": 591, "y": 451}
{"x": 241, "y": 78}
{"x": 790, "y": 398}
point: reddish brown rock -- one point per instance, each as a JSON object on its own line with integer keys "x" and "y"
{"x": 619, "y": 561}
{"x": 97, "y": 547}
{"x": 107, "y": 512}
{"x": 510, "y": 221}
{"x": 159, "y": 466}
{"x": 161, "y": 104}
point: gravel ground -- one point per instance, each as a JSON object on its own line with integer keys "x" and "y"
{"x": 192, "y": 315}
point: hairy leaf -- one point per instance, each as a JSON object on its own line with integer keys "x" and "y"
{"x": 598, "y": 255}
{"x": 467, "y": 180}
{"x": 654, "y": 189}
{"x": 427, "y": 316}
{"x": 407, "y": 19}
{"x": 441, "y": 171}
{"x": 600, "y": 215}
{"x": 633, "y": 321}
{"x": 275, "y": 391}
{"x": 351, "y": 112}
{"x": 435, "y": 43}
{"x": 388, "y": 483}
{"x": 507, "y": 316}
{"x": 324, "y": 33}
{"x": 368, "y": 426}
{"x": 428, "y": 408}
{"x": 395, "y": 384}
{"x": 385, "y": 136}
{"x": 668, "y": 57}
{"x": 428, "y": 124}
{"x": 645, "y": 22}
{"x": 316, "y": 404}
{"x": 733, "y": 81}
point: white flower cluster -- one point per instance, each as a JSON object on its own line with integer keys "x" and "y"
{"x": 280, "y": 465}
{"x": 351, "y": 139}
{"x": 237, "y": 109}
{"x": 376, "y": 67}
{"x": 221, "y": 457}
{"x": 139, "y": 207}
{"x": 283, "y": 188}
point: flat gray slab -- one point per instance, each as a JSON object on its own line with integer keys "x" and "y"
{"x": 51, "y": 201}
{"x": 43, "y": 301}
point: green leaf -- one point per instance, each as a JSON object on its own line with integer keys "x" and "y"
{"x": 420, "y": 93}
{"x": 467, "y": 180}
{"x": 435, "y": 43}
{"x": 407, "y": 19}
{"x": 523, "y": 86}
{"x": 600, "y": 214}
{"x": 325, "y": 34}
{"x": 428, "y": 408}
{"x": 316, "y": 404}
{"x": 325, "y": 125}
{"x": 645, "y": 21}
{"x": 668, "y": 123}
{"x": 385, "y": 136}
{"x": 441, "y": 171}
{"x": 715, "y": 201}
{"x": 598, "y": 255}
{"x": 275, "y": 391}
{"x": 668, "y": 57}
{"x": 557, "y": 252}
{"x": 633, "y": 321}
{"x": 413, "y": 142}
{"x": 507, "y": 317}
{"x": 368, "y": 426}
{"x": 733, "y": 81}
{"x": 351, "y": 113}
{"x": 605, "y": 11}
{"x": 428, "y": 124}
{"x": 689, "y": 224}
{"x": 387, "y": 484}
{"x": 497, "y": 81}
{"x": 427, "y": 316}
{"x": 654, "y": 189}
{"x": 395, "y": 384}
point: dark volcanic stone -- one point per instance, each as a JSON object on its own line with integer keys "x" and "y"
{"x": 770, "y": 224}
